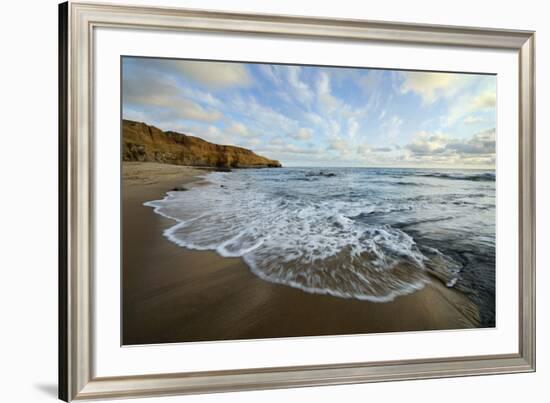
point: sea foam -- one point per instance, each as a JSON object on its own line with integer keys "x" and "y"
{"x": 312, "y": 239}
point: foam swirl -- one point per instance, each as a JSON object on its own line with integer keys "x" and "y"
{"x": 315, "y": 241}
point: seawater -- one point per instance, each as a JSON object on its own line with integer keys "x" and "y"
{"x": 366, "y": 233}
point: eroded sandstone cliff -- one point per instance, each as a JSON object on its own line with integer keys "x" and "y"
{"x": 142, "y": 142}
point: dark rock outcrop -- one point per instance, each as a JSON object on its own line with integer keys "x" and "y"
{"x": 142, "y": 142}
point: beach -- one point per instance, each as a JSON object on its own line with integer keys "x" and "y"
{"x": 173, "y": 294}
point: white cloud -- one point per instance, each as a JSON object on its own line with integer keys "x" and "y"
{"x": 270, "y": 73}
{"x": 382, "y": 149}
{"x": 265, "y": 119}
{"x": 353, "y": 128}
{"x": 324, "y": 93}
{"x": 313, "y": 118}
{"x": 425, "y": 143}
{"x": 465, "y": 94}
{"x": 441, "y": 148}
{"x": 187, "y": 109}
{"x": 471, "y": 104}
{"x": 239, "y": 129}
{"x": 430, "y": 86}
{"x": 214, "y": 74}
{"x": 276, "y": 141}
{"x": 288, "y": 77}
{"x": 303, "y": 134}
{"x": 363, "y": 149}
{"x": 203, "y": 97}
{"x": 282, "y": 149}
{"x": 209, "y": 133}
{"x": 472, "y": 120}
{"x": 366, "y": 150}
{"x": 372, "y": 80}
{"x": 479, "y": 143}
{"x": 330, "y": 104}
{"x": 341, "y": 146}
{"x": 179, "y": 107}
{"x": 252, "y": 142}
{"x": 334, "y": 127}
{"x": 300, "y": 88}
{"x": 391, "y": 127}
{"x": 162, "y": 92}
{"x": 333, "y": 118}
{"x": 486, "y": 99}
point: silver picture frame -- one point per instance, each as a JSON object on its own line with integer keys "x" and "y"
{"x": 77, "y": 22}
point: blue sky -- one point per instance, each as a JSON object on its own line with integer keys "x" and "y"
{"x": 320, "y": 116}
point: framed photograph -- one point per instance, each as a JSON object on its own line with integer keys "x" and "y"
{"x": 265, "y": 201}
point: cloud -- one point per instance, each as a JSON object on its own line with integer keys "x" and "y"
{"x": 425, "y": 143}
{"x": 187, "y": 109}
{"x": 251, "y": 142}
{"x": 472, "y": 120}
{"x": 353, "y": 127}
{"x": 213, "y": 74}
{"x": 479, "y": 143}
{"x": 334, "y": 117}
{"x": 283, "y": 149}
{"x": 341, "y": 146}
{"x": 372, "y": 80}
{"x": 391, "y": 127}
{"x": 471, "y": 104}
{"x": 276, "y": 141}
{"x": 430, "y": 86}
{"x": 464, "y": 94}
{"x": 303, "y": 134}
{"x": 262, "y": 118}
{"x": 206, "y": 132}
{"x": 270, "y": 73}
{"x": 314, "y": 116}
{"x": 487, "y": 99}
{"x": 324, "y": 93}
{"x": 203, "y": 97}
{"x": 478, "y": 149}
{"x": 363, "y": 150}
{"x": 289, "y": 78}
{"x": 178, "y": 108}
{"x": 367, "y": 150}
{"x": 238, "y": 129}
{"x": 162, "y": 92}
{"x": 381, "y": 149}
{"x": 331, "y": 104}
{"x": 300, "y": 88}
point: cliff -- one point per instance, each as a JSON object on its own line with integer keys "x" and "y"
{"x": 142, "y": 142}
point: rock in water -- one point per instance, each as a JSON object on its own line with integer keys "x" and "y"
{"x": 179, "y": 189}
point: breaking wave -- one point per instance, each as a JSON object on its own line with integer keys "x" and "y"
{"x": 317, "y": 239}
{"x": 486, "y": 176}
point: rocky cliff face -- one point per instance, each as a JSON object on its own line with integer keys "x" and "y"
{"x": 142, "y": 142}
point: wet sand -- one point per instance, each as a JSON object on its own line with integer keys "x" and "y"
{"x": 171, "y": 294}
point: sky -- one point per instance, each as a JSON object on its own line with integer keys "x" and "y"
{"x": 320, "y": 116}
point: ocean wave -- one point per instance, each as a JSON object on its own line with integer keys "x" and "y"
{"x": 486, "y": 176}
{"x": 318, "y": 246}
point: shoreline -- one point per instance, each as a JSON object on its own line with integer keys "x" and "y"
{"x": 172, "y": 294}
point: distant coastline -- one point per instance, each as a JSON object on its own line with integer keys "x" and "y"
{"x": 145, "y": 143}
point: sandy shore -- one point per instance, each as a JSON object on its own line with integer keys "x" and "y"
{"x": 171, "y": 294}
